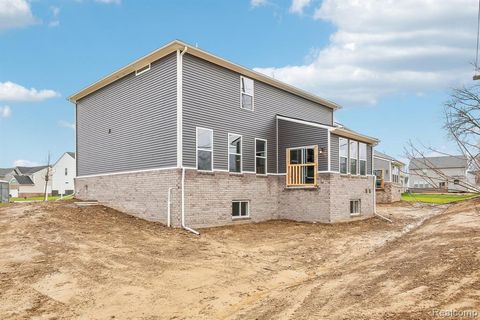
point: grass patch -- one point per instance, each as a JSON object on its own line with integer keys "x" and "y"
{"x": 437, "y": 198}
{"x": 50, "y": 198}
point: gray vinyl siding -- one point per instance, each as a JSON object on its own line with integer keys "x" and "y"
{"x": 211, "y": 99}
{"x": 334, "y": 159}
{"x": 369, "y": 159}
{"x": 292, "y": 134}
{"x": 140, "y": 111}
{"x": 380, "y": 164}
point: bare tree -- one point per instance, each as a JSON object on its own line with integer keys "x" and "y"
{"x": 462, "y": 124}
{"x": 47, "y": 178}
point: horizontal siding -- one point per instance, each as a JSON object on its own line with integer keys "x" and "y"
{"x": 292, "y": 134}
{"x": 334, "y": 159}
{"x": 380, "y": 164}
{"x": 140, "y": 111}
{"x": 369, "y": 158}
{"x": 211, "y": 99}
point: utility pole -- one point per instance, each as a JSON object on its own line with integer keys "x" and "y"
{"x": 47, "y": 178}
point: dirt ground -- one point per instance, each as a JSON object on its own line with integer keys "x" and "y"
{"x": 60, "y": 261}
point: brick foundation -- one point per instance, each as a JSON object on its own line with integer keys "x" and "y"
{"x": 389, "y": 194}
{"x": 209, "y": 195}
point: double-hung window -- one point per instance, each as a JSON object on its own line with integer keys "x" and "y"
{"x": 355, "y": 207}
{"x": 234, "y": 152}
{"x": 246, "y": 93}
{"x": 363, "y": 158}
{"x": 343, "y": 146}
{"x": 204, "y": 149}
{"x": 240, "y": 209}
{"x": 353, "y": 157}
{"x": 261, "y": 156}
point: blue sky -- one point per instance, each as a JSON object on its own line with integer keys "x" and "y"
{"x": 390, "y": 65}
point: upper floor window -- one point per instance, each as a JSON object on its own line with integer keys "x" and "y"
{"x": 204, "y": 149}
{"x": 142, "y": 70}
{"x": 363, "y": 158}
{"x": 261, "y": 156}
{"x": 246, "y": 98}
{"x": 234, "y": 152}
{"x": 343, "y": 150}
{"x": 66, "y": 171}
{"x": 353, "y": 157}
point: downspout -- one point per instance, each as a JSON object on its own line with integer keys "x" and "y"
{"x": 180, "y": 132}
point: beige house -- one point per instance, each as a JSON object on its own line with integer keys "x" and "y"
{"x": 30, "y": 181}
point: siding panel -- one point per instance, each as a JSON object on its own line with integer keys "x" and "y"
{"x": 334, "y": 159}
{"x": 140, "y": 111}
{"x": 211, "y": 99}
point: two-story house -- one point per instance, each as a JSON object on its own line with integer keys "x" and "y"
{"x": 185, "y": 137}
{"x": 390, "y": 178}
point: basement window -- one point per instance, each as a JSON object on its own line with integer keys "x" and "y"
{"x": 246, "y": 93}
{"x": 142, "y": 70}
{"x": 355, "y": 207}
{"x": 240, "y": 209}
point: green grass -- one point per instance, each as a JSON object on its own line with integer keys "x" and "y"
{"x": 437, "y": 198}
{"x": 50, "y": 198}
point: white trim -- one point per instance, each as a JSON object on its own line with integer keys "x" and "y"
{"x": 327, "y": 171}
{"x": 203, "y": 149}
{"x": 241, "y": 151}
{"x": 179, "y": 110}
{"x": 308, "y": 123}
{"x": 252, "y": 95}
{"x": 126, "y": 172}
{"x": 349, "y": 158}
{"x": 240, "y": 207}
{"x": 145, "y": 69}
{"x": 266, "y": 156}
{"x": 276, "y": 142}
{"x": 329, "y": 141}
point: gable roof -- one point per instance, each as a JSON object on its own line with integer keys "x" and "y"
{"x": 29, "y": 170}
{"x": 442, "y": 162}
{"x": 5, "y": 171}
{"x": 178, "y": 45}
{"x": 23, "y": 180}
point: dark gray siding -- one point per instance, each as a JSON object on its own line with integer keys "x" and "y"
{"x": 211, "y": 99}
{"x": 140, "y": 111}
{"x": 369, "y": 159}
{"x": 334, "y": 159}
{"x": 292, "y": 134}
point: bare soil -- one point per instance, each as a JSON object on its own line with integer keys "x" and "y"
{"x": 59, "y": 261}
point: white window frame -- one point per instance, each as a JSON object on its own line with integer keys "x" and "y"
{"x": 266, "y": 157}
{"x": 229, "y": 153}
{"x": 360, "y": 159}
{"x": 143, "y": 69}
{"x": 359, "y": 207}
{"x": 350, "y": 157}
{"x": 240, "y": 216}
{"x": 252, "y": 95}
{"x": 340, "y": 156}
{"x": 202, "y": 149}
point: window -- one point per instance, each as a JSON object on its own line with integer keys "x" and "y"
{"x": 343, "y": 150}
{"x": 395, "y": 174}
{"x": 355, "y": 207}
{"x": 441, "y": 185}
{"x": 363, "y": 158}
{"x": 261, "y": 156}
{"x": 353, "y": 156}
{"x": 302, "y": 166}
{"x": 66, "y": 171}
{"x": 142, "y": 70}
{"x": 234, "y": 152}
{"x": 456, "y": 181}
{"x": 240, "y": 209}
{"x": 204, "y": 149}
{"x": 246, "y": 94}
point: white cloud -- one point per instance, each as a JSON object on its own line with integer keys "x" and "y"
{"x": 25, "y": 163}
{"x": 258, "y": 3}
{"x": 5, "y": 112}
{"x": 15, "y": 14}
{"x": 109, "y": 1}
{"x": 10, "y": 91}
{"x": 298, "y": 6}
{"x": 383, "y": 48}
{"x": 66, "y": 124}
{"x": 55, "y": 13}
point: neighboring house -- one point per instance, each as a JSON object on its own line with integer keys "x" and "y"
{"x": 31, "y": 181}
{"x": 444, "y": 174}
{"x": 6, "y": 174}
{"x": 390, "y": 178}
{"x": 223, "y": 143}
{"x": 63, "y": 174}
{"x": 4, "y": 191}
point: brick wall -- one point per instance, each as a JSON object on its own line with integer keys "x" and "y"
{"x": 390, "y": 193}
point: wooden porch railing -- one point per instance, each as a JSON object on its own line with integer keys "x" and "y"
{"x": 297, "y": 173}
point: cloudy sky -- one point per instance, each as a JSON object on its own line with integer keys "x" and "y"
{"x": 390, "y": 64}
